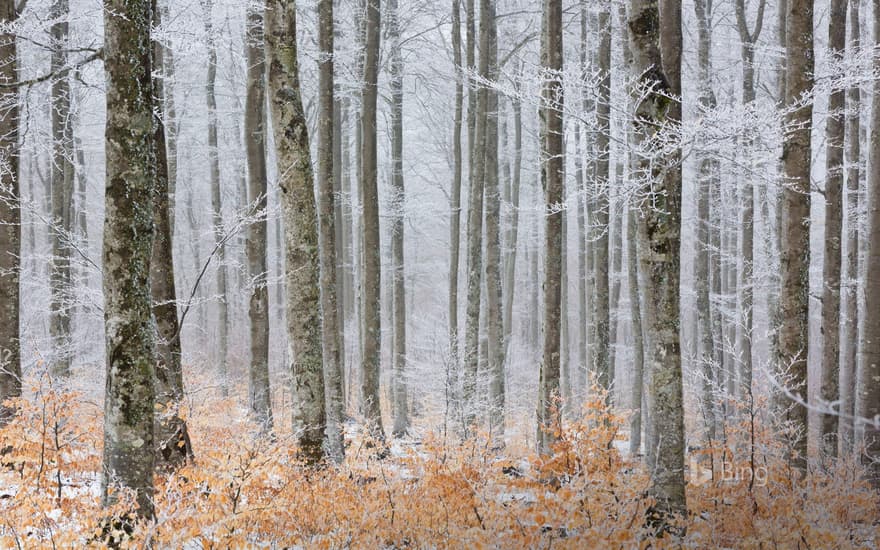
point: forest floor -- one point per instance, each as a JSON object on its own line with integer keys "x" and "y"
{"x": 246, "y": 491}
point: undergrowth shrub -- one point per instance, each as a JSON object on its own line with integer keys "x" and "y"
{"x": 247, "y": 491}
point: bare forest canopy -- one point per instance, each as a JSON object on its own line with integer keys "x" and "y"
{"x": 470, "y": 273}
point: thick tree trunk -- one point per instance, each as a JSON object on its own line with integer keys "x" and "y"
{"x": 217, "y": 202}
{"x": 795, "y": 252}
{"x": 10, "y": 218}
{"x": 867, "y": 405}
{"x": 398, "y": 273}
{"x": 653, "y": 31}
{"x": 834, "y": 142}
{"x": 172, "y": 441}
{"x": 169, "y": 111}
{"x": 129, "y": 399}
{"x": 327, "y": 235}
{"x": 255, "y": 128}
{"x": 61, "y": 195}
{"x": 552, "y": 166}
{"x": 850, "y": 336}
{"x": 300, "y": 229}
{"x": 371, "y": 272}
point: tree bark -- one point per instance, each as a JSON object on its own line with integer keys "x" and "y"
{"x": 10, "y": 218}
{"x": 511, "y": 241}
{"x": 850, "y": 331}
{"x": 172, "y": 441}
{"x": 552, "y": 165}
{"x": 867, "y": 405}
{"x": 655, "y": 39}
{"x": 255, "y": 129}
{"x": 300, "y": 229}
{"x": 371, "y": 273}
{"x": 128, "y": 240}
{"x": 795, "y": 252}
{"x": 217, "y": 201}
{"x": 61, "y": 195}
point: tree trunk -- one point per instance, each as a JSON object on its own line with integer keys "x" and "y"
{"x": 255, "y": 128}
{"x": 601, "y": 364}
{"x": 398, "y": 273}
{"x": 10, "y": 218}
{"x": 455, "y": 203}
{"x": 300, "y": 228}
{"x": 795, "y": 251}
{"x": 61, "y": 195}
{"x": 475, "y": 226}
{"x": 494, "y": 314}
{"x": 512, "y": 239}
{"x": 653, "y": 31}
{"x": 748, "y": 39}
{"x": 707, "y": 179}
{"x": 638, "y": 348}
{"x": 849, "y": 338}
{"x": 552, "y": 165}
{"x": 128, "y": 240}
{"x": 172, "y": 441}
{"x": 834, "y": 142}
{"x": 327, "y": 235}
{"x": 217, "y": 201}
{"x": 867, "y": 405}
{"x": 371, "y": 273}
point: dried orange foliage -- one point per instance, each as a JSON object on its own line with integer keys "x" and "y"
{"x": 244, "y": 491}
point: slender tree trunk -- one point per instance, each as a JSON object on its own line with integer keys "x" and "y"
{"x": 169, "y": 111}
{"x": 707, "y": 178}
{"x": 398, "y": 274}
{"x": 494, "y": 302}
{"x": 10, "y": 218}
{"x": 300, "y": 228}
{"x": 638, "y": 348}
{"x": 512, "y": 239}
{"x": 834, "y": 142}
{"x": 849, "y": 338}
{"x": 455, "y": 204}
{"x": 129, "y": 399}
{"x": 601, "y": 364}
{"x": 371, "y": 273}
{"x": 796, "y": 156}
{"x": 475, "y": 226}
{"x": 748, "y": 38}
{"x": 327, "y": 235}
{"x": 171, "y": 436}
{"x": 616, "y": 252}
{"x": 654, "y": 30}
{"x": 867, "y": 404}
{"x": 61, "y": 195}
{"x": 255, "y": 129}
{"x": 217, "y": 201}
{"x": 552, "y": 165}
